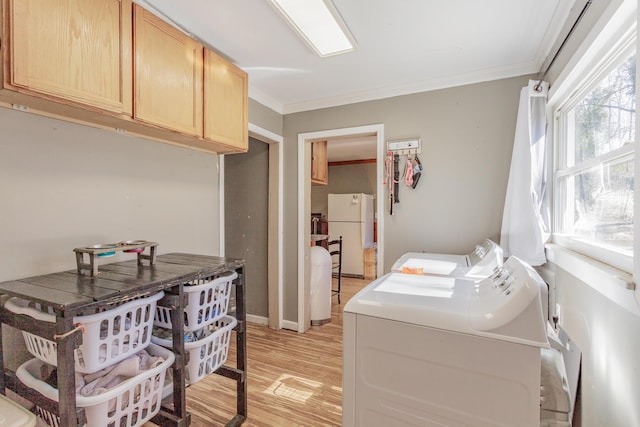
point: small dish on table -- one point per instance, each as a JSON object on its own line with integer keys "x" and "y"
{"x": 131, "y": 243}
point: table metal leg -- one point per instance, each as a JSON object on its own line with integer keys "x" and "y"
{"x": 241, "y": 342}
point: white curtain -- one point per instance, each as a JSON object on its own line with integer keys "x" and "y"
{"x": 525, "y": 221}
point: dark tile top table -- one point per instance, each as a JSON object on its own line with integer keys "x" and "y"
{"x": 72, "y": 294}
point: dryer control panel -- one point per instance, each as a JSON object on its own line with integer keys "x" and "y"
{"x": 486, "y": 257}
{"x": 508, "y": 303}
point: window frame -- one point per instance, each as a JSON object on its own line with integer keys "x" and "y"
{"x": 604, "y": 59}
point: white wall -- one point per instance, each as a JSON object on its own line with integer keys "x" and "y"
{"x": 64, "y": 185}
{"x": 608, "y": 335}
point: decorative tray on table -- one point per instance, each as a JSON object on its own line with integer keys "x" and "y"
{"x": 105, "y": 250}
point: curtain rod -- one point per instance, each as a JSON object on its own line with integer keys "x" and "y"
{"x": 538, "y": 86}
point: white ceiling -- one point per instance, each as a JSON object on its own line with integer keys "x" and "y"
{"x": 403, "y": 46}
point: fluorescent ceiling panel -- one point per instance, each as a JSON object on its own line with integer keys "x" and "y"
{"x": 319, "y": 24}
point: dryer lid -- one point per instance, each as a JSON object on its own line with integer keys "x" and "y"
{"x": 478, "y": 264}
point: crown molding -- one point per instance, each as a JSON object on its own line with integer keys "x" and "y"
{"x": 489, "y": 74}
{"x": 266, "y": 100}
{"x": 552, "y": 34}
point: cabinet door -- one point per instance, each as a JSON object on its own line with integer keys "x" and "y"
{"x": 79, "y": 50}
{"x": 167, "y": 75}
{"x": 225, "y": 102}
{"x": 319, "y": 164}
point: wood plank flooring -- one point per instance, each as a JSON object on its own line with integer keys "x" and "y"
{"x": 293, "y": 379}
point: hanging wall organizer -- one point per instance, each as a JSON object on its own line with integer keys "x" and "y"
{"x": 406, "y": 147}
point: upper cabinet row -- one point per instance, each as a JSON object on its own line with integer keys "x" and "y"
{"x": 114, "y": 64}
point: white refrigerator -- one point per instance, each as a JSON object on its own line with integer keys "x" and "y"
{"x": 351, "y": 216}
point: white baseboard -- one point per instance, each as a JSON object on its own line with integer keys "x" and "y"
{"x": 260, "y": 320}
{"x": 257, "y": 319}
{"x": 288, "y": 324}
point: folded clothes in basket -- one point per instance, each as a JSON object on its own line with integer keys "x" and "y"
{"x": 190, "y": 336}
{"x": 107, "y": 378}
{"x": 197, "y": 335}
{"x": 110, "y": 377}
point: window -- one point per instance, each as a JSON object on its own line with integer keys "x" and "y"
{"x": 594, "y": 179}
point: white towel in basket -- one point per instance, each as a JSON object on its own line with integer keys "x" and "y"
{"x": 107, "y": 378}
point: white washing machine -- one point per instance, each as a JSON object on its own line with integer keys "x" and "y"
{"x": 480, "y": 263}
{"x": 445, "y": 351}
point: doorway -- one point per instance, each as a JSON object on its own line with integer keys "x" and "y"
{"x": 304, "y": 207}
{"x": 246, "y": 212}
{"x": 275, "y": 180}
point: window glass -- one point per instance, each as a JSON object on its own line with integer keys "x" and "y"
{"x": 603, "y": 204}
{"x": 605, "y": 117}
{"x": 595, "y": 180}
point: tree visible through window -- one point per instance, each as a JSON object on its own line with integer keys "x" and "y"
{"x": 599, "y": 181}
{"x": 605, "y": 118}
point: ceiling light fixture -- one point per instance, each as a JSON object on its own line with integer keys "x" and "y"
{"x": 319, "y": 24}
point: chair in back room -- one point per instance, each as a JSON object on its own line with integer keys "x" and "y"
{"x": 336, "y": 263}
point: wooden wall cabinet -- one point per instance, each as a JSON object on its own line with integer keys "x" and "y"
{"x": 75, "y": 50}
{"x": 113, "y": 65}
{"x": 167, "y": 75}
{"x": 226, "y": 96}
{"x": 319, "y": 163}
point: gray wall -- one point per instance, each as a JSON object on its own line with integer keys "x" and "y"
{"x": 64, "y": 185}
{"x": 467, "y": 134}
{"x": 356, "y": 178}
{"x": 246, "y": 207}
{"x": 265, "y": 117}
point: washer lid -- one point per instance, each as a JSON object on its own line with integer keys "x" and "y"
{"x": 440, "y": 302}
{"x": 506, "y": 308}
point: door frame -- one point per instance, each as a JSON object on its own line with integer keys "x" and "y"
{"x": 304, "y": 207}
{"x": 275, "y": 221}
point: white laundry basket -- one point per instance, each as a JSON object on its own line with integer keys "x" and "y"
{"x": 207, "y": 354}
{"x": 207, "y": 301}
{"x": 129, "y": 404}
{"x": 110, "y": 336}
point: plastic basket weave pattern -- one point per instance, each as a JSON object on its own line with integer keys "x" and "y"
{"x": 133, "y": 402}
{"x": 207, "y": 301}
{"x": 110, "y": 336}
{"x": 207, "y": 354}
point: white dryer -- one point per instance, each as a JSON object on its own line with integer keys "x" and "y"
{"x": 445, "y": 351}
{"x": 480, "y": 263}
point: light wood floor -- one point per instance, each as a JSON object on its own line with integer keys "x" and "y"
{"x": 293, "y": 379}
